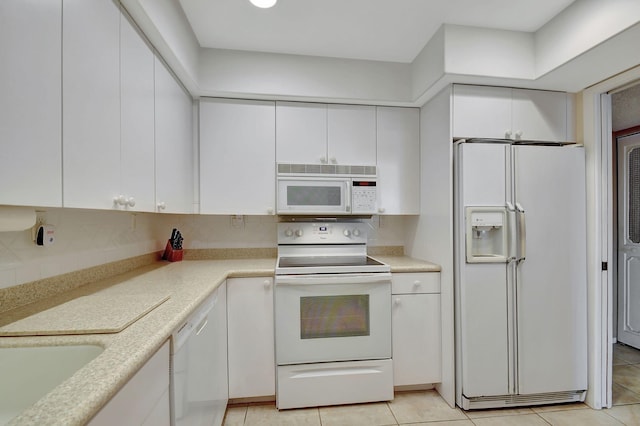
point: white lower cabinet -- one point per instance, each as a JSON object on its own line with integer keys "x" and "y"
{"x": 144, "y": 400}
{"x": 250, "y": 337}
{"x": 416, "y": 330}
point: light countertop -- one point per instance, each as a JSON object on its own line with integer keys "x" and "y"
{"x": 187, "y": 283}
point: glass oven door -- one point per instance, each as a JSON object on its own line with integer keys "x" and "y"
{"x": 332, "y": 317}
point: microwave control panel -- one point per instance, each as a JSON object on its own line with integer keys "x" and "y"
{"x": 364, "y": 197}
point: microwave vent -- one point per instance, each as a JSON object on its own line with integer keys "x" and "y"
{"x": 326, "y": 169}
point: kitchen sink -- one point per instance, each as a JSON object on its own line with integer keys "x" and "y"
{"x": 29, "y": 373}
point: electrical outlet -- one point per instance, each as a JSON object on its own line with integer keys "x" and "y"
{"x": 41, "y": 219}
{"x": 237, "y": 221}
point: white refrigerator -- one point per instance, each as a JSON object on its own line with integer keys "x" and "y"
{"x": 520, "y": 274}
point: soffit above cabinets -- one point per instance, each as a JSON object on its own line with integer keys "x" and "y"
{"x": 380, "y": 30}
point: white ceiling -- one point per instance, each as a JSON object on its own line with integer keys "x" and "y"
{"x": 383, "y": 30}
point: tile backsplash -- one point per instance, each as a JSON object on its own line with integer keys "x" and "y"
{"x": 86, "y": 238}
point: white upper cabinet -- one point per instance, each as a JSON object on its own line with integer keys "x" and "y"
{"x": 481, "y": 112}
{"x": 398, "y": 160}
{"x": 309, "y": 133}
{"x": 351, "y": 135}
{"x": 517, "y": 114}
{"x": 301, "y": 133}
{"x": 91, "y": 99}
{"x": 174, "y": 144}
{"x": 108, "y": 117}
{"x": 539, "y": 115}
{"x": 237, "y": 157}
{"x": 30, "y": 102}
{"x": 136, "y": 120}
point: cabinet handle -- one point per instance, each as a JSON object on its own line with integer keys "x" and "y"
{"x": 519, "y": 135}
{"x": 381, "y": 210}
{"x": 396, "y": 301}
{"x": 120, "y": 200}
{"x": 266, "y": 284}
{"x": 416, "y": 283}
{"x": 131, "y": 202}
{"x": 269, "y": 211}
{"x": 162, "y": 205}
{"x": 333, "y": 160}
{"x": 507, "y": 134}
{"x": 323, "y": 160}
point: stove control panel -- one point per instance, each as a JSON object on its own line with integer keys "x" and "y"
{"x": 351, "y": 232}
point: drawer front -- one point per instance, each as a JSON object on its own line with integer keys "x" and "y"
{"x": 415, "y": 282}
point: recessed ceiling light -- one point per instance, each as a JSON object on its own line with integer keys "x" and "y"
{"x": 264, "y": 4}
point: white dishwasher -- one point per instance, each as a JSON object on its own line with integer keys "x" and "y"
{"x": 199, "y": 385}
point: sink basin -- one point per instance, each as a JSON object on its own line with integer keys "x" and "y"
{"x": 29, "y": 373}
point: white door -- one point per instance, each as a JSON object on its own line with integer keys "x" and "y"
{"x": 173, "y": 143}
{"x": 351, "y": 135}
{"x": 301, "y": 133}
{"x": 629, "y": 240}
{"x": 481, "y": 288}
{"x": 551, "y": 282}
{"x": 539, "y": 115}
{"x": 237, "y": 157}
{"x": 398, "y": 159}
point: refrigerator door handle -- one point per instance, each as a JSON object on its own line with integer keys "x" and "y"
{"x": 522, "y": 233}
{"x": 511, "y": 220}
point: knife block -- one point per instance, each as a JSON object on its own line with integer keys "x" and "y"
{"x": 171, "y": 254}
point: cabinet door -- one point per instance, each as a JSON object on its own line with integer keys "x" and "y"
{"x": 237, "y": 157}
{"x": 91, "y": 99}
{"x": 539, "y": 115}
{"x": 481, "y": 112}
{"x": 351, "y": 135}
{"x": 416, "y": 339}
{"x": 250, "y": 337}
{"x": 174, "y": 143}
{"x": 30, "y": 104}
{"x": 398, "y": 160}
{"x": 301, "y": 133}
{"x": 137, "y": 118}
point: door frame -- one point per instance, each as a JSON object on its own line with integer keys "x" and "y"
{"x": 598, "y": 141}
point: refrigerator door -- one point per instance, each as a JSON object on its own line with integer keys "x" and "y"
{"x": 549, "y": 184}
{"x": 483, "y": 367}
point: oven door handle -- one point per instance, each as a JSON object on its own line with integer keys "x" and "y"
{"x": 378, "y": 278}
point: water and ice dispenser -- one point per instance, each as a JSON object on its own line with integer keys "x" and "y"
{"x": 486, "y": 233}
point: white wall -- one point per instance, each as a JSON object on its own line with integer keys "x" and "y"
{"x": 586, "y": 43}
{"x": 430, "y": 236}
{"x": 259, "y": 75}
{"x": 580, "y": 27}
{"x": 86, "y": 238}
{"x": 488, "y": 52}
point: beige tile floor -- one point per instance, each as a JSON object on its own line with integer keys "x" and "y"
{"x": 427, "y": 408}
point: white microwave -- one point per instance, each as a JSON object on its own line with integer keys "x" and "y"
{"x": 326, "y": 196}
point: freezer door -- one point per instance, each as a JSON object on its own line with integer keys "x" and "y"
{"x": 551, "y": 288}
{"x": 482, "y": 359}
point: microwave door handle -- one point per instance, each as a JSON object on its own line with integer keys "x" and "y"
{"x": 334, "y": 279}
{"x": 347, "y": 197}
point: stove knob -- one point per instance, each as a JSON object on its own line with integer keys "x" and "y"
{"x": 299, "y": 232}
{"x": 288, "y": 233}
{"x": 347, "y": 233}
{"x": 356, "y": 232}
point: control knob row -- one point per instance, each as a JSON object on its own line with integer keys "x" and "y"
{"x": 289, "y": 232}
{"x": 348, "y": 233}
